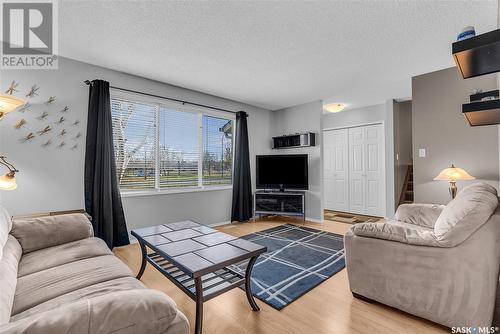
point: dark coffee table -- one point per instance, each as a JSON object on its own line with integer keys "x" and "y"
{"x": 198, "y": 259}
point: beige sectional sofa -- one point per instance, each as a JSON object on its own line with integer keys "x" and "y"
{"x": 55, "y": 277}
{"x": 437, "y": 262}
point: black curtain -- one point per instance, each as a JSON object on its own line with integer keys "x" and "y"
{"x": 102, "y": 196}
{"x": 242, "y": 183}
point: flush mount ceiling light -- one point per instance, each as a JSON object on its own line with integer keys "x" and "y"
{"x": 334, "y": 107}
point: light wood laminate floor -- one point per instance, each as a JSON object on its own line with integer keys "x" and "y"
{"x": 328, "y": 308}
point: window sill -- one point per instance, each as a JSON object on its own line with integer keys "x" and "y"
{"x": 173, "y": 191}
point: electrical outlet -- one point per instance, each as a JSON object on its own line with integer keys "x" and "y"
{"x": 421, "y": 152}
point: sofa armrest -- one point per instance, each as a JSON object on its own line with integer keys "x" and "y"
{"x": 393, "y": 232}
{"x": 42, "y": 232}
{"x": 130, "y": 311}
{"x": 419, "y": 214}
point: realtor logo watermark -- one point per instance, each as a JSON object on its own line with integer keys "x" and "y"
{"x": 29, "y": 34}
{"x": 474, "y": 330}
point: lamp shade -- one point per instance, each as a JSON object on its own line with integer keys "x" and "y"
{"x": 8, "y": 181}
{"x": 9, "y": 103}
{"x": 453, "y": 174}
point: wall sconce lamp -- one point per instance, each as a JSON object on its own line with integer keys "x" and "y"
{"x": 453, "y": 174}
{"x": 8, "y": 180}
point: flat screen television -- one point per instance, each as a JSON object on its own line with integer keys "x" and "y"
{"x": 282, "y": 172}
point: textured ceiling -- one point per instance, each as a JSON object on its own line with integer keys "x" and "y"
{"x": 273, "y": 54}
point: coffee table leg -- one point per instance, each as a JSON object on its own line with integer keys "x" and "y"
{"x": 199, "y": 306}
{"x": 143, "y": 264}
{"x": 248, "y": 285}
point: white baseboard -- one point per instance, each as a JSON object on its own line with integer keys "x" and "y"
{"x": 220, "y": 223}
{"x": 314, "y": 220}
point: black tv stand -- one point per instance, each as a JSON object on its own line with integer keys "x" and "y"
{"x": 280, "y": 202}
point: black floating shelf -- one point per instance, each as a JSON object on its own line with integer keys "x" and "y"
{"x": 478, "y": 55}
{"x": 482, "y": 113}
{"x": 296, "y": 140}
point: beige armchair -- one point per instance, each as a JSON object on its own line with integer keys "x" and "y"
{"x": 436, "y": 262}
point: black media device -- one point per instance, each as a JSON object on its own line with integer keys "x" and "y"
{"x": 282, "y": 172}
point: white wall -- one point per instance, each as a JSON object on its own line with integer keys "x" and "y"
{"x": 351, "y": 117}
{"x": 51, "y": 179}
{"x": 304, "y": 118}
{"x": 371, "y": 114}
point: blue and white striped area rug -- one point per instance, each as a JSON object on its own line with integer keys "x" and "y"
{"x": 297, "y": 260}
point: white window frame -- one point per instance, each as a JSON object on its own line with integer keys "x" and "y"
{"x": 200, "y": 111}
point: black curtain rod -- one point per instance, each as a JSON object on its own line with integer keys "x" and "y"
{"x": 88, "y": 82}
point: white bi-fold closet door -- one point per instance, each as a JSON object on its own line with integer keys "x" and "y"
{"x": 354, "y": 170}
{"x": 336, "y": 169}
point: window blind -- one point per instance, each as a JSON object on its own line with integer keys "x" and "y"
{"x": 217, "y": 150}
{"x": 134, "y": 140}
{"x": 160, "y": 147}
{"x": 179, "y": 153}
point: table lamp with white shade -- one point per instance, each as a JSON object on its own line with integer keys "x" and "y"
{"x": 453, "y": 174}
{"x": 8, "y": 180}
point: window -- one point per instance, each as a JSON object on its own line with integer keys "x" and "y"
{"x": 163, "y": 147}
{"x": 179, "y": 152}
{"x": 134, "y": 129}
{"x": 217, "y": 150}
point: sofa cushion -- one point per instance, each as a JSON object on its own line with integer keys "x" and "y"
{"x": 47, "y": 231}
{"x": 424, "y": 215}
{"x": 47, "y": 284}
{"x": 397, "y": 231}
{"x": 99, "y": 289}
{"x": 8, "y": 277}
{"x": 132, "y": 311}
{"x": 180, "y": 325}
{"x": 465, "y": 214}
{"x": 58, "y": 255}
{"x": 5, "y": 227}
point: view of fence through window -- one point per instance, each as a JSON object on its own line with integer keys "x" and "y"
{"x": 152, "y": 140}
